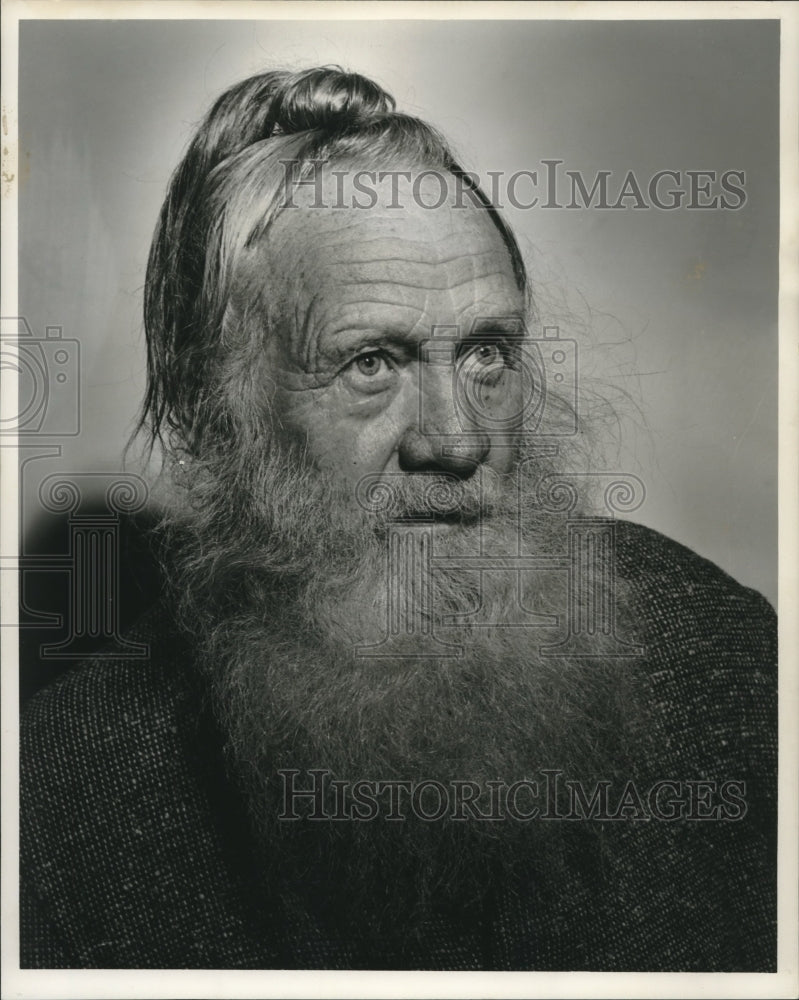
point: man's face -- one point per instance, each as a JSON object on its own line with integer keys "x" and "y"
{"x": 364, "y": 377}
{"x": 293, "y": 595}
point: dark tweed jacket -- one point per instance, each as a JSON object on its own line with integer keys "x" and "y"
{"x": 134, "y": 850}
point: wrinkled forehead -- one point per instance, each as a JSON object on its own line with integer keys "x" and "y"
{"x": 414, "y": 230}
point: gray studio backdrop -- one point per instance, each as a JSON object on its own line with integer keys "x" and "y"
{"x": 676, "y": 310}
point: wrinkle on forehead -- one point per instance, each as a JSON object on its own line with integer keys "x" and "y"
{"x": 318, "y": 264}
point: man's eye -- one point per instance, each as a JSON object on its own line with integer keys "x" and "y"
{"x": 370, "y": 364}
{"x": 370, "y": 372}
{"x": 487, "y": 354}
{"x": 485, "y": 360}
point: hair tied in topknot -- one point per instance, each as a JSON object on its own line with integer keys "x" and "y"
{"x": 223, "y": 196}
{"x": 328, "y": 98}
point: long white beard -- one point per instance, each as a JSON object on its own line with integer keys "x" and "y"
{"x": 340, "y": 642}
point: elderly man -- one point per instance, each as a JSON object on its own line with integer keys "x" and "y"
{"x": 414, "y": 701}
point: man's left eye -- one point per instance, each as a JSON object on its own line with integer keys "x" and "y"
{"x": 483, "y": 360}
{"x": 487, "y": 354}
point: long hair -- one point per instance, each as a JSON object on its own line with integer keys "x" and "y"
{"x": 224, "y": 196}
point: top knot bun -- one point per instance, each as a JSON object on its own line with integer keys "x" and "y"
{"x": 328, "y": 97}
{"x": 223, "y": 197}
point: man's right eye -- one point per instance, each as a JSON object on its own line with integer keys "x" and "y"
{"x": 371, "y": 371}
{"x": 369, "y": 364}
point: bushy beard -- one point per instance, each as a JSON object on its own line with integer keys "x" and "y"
{"x": 291, "y": 590}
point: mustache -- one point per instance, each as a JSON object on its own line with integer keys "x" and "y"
{"x": 430, "y": 497}
{"x": 271, "y": 515}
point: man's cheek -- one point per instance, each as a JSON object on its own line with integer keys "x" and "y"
{"x": 302, "y": 407}
{"x": 343, "y": 441}
{"x": 496, "y": 407}
{"x": 359, "y": 435}
{"x": 511, "y": 400}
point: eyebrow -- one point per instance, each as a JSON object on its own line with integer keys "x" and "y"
{"x": 337, "y": 347}
{"x": 508, "y": 324}
{"x": 341, "y": 344}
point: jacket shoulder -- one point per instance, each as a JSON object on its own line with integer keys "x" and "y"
{"x": 123, "y": 859}
{"x": 709, "y": 677}
{"x": 670, "y": 573}
{"x": 688, "y": 607}
{"x": 710, "y": 659}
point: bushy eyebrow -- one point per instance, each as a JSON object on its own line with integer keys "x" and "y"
{"x": 342, "y": 345}
{"x": 511, "y": 325}
{"x": 345, "y": 344}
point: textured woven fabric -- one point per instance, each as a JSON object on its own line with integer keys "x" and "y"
{"x": 135, "y": 852}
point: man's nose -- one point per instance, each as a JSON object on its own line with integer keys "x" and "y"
{"x": 440, "y": 439}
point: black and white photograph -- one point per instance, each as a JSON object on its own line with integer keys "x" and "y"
{"x": 399, "y": 548}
